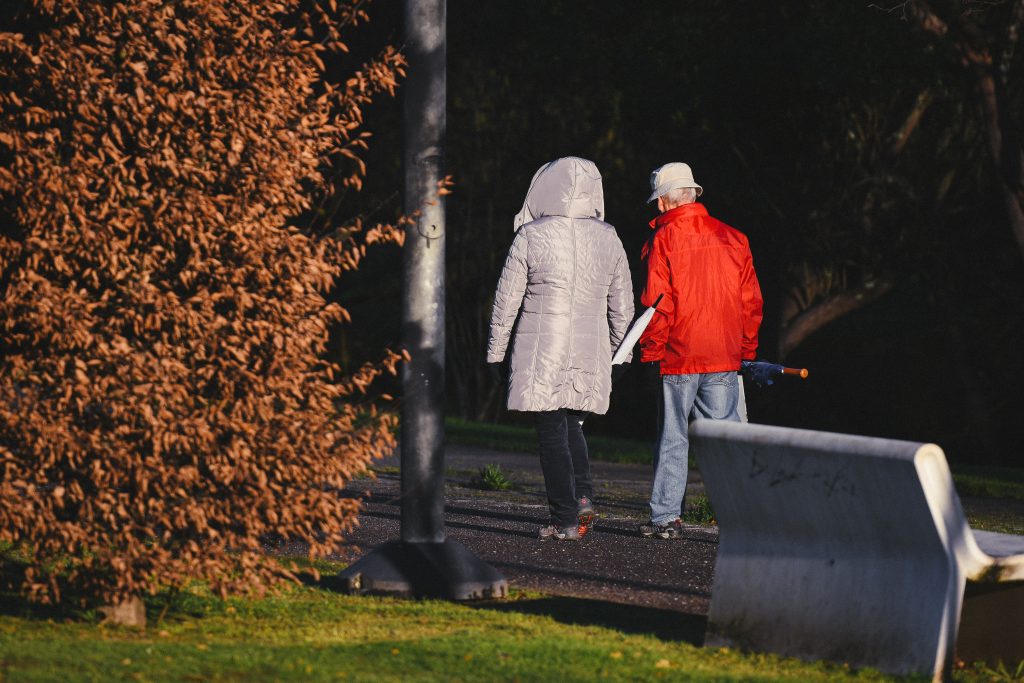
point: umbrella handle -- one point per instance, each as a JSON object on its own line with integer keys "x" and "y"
{"x": 802, "y": 372}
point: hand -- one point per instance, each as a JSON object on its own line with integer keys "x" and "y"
{"x": 494, "y": 369}
{"x": 760, "y": 373}
{"x": 618, "y": 370}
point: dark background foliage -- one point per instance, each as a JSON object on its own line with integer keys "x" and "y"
{"x": 844, "y": 139}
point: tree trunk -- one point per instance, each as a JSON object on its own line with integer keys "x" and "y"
{"x": 989, "y": 57}
{"x": 797, "y": 324}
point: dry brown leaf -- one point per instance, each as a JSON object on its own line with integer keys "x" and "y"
{"x": 165, "y": 409}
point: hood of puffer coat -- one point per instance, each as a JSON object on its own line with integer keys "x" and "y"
{"x": 569, "y": 187}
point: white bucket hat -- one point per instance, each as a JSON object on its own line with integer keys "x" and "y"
{"x": 670, "y": 177}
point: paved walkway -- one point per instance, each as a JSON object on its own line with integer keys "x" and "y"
{"x": 612, "y": 563}
{"x": 612, "y": 576}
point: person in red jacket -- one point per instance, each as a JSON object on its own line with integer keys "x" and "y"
{"x": 705, "y": 325}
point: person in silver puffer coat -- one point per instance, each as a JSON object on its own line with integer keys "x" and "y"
{"x": 563, "y": 303}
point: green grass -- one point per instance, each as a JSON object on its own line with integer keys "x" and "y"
{"x": 517, "y": 439}
{"x": 699, "y": 511}
{"x": 315, "y": 634}
{"x": 989, "y": 482}
{"x": 492, "y": 478}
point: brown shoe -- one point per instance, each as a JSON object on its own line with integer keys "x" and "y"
{"x": 673, "y": 529}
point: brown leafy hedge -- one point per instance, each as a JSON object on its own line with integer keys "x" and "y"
{"x": 165, "y": 405}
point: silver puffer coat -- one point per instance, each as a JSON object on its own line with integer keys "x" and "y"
{"x": 564, "y": 298}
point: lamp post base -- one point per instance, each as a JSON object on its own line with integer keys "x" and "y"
{"x": 444, "y": 570}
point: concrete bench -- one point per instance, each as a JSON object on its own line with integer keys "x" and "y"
{"x": 853, "y": 549}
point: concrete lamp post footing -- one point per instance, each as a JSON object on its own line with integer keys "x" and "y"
{"x": 130, "y": 612}
{"x": 445, "y": 570}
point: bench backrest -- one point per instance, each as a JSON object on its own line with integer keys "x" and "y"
{"x": 834, "y": 546}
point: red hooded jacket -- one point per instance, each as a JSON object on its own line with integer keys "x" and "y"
{"x": 709, "y": 316}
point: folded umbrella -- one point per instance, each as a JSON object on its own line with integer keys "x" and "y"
{"x": 763, "y": 374}
{"x": 633, "y": 335}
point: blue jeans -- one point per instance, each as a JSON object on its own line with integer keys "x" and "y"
{"x": 712, "y": 395}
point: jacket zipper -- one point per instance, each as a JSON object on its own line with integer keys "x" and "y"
{"x": 572, "y": 308}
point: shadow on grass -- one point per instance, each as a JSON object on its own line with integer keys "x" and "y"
{"x": 171, "y": 604}
{"x": 661, "y": 623}
{"x": 13, "y": 604}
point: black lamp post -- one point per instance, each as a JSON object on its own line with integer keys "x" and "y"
{"x": 424, "y": 562}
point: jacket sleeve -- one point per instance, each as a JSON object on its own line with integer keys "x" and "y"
{"x": 752, "y": 306}
{"x": 508, "y": 298}
{"x": 620, "y": 302}
{"x": 659, "y": 282}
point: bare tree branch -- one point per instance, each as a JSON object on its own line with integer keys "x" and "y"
{"x": 921, "y": 104}
{"x": 828, "y": 310}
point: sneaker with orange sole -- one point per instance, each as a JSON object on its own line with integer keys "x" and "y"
{"x": 585, "y": 513}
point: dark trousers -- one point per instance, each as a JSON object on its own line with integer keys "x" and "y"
{"x": 564, "y": 461}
